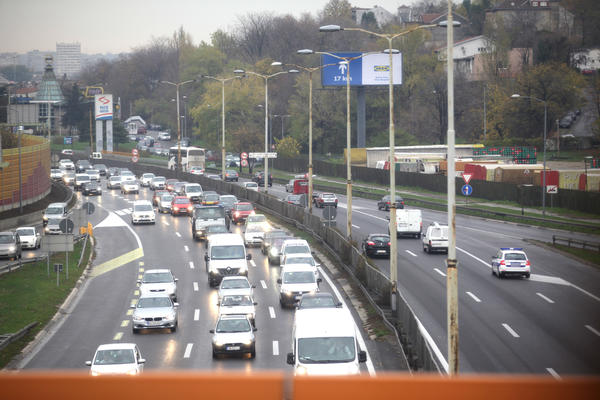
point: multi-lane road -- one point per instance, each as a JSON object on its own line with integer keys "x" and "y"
{"x": 549, "y": 324}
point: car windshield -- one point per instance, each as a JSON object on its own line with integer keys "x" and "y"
{"x": 157, "y": 277}
{"x": 295, "y": 249}
{"x": 4, "y": 239}
{"x": 233, "y": 325}
{"x": 114, "y": 179}
{"x": 143, "y": 207}
{"x": 153, "y": 302}
{"x": 159, "y": 179}
{"x": 235, "y": 284}
{"x": 439, "y": 232}
{"x": 244, "y": 207}
{"x": 300, "y": 260}
{"x": 230, "y": 301}
{"x": 82, "y": 178}
{"x": 257, "y": 218}
{"x": 227, "y": 252}
{"x": 256, "y": 228}
{"x": 166, "y": 198}
{"x": 219, "y": 228}
{"x": 299, "y": 277}
{"x": 251, "y": 184}
{"x": 92, "y": 171}
{"x": 515, "y": 256}
{"x": 181, "y": 201}
{"x": 116, "y": 356}
{"x": 316, "y": 302}
{"x": 209, "y": 212}
{"x": 328, "y": 196}
{"x": 275, "y": 234}
{"x": 193, "y": 189}
{"x": 127, "y": 173}
{"x": 148, "y": 176}
{"x": 26, "y": 231}
{"x": 380, "y": 239}
{"x": 211, "y": 197}
{"x": 54, "y": 221}
{"x": 54, "y": 210}
{"x": 229, "y": 200}
{"x": 326, "y": 350}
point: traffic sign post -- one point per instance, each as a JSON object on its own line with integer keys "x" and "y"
{"x": 552, "y": 189}
{"x": 135, "y": 159}
{"x": 467, "y": 190}
{"x": 244, "y": 162}
{"x": 134, "y": 152}
{"x": 467, "y": 178}
{"x": 244, "y": 155}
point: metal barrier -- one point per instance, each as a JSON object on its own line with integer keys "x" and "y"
{"x": 579, "y": 243}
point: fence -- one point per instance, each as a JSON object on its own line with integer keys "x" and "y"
{"x": 575, "y": 242}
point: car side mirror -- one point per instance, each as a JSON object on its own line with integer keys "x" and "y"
{"x": 142, "y": 361}
{"x": 388, "y": 218}
{"x": 338, "y": 305}
{"x": 253, "y": 286}
{"x": 212, "y": 331}
{"x": 248, "y": 256}
{"x": 176, "y": 279}
{"x": 319, "y": 280}
{"x": 139, "y": 282}
{"x": 88, "y": 363}
{"x": 290, "y": 359}
{"x": 37, "y": 234}
{"x": 206, "y": 257}
{"x": 132, "y": 306}
{"x": 279, "y": 281}
{"x": 255, "y": 303}
{"x": 175, "y": 305}
{"x": 362, "y": 356}
{"x": 254, "y": 329}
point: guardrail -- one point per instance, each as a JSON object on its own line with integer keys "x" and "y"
{"x": 578, "y": 243}
{"x": 19, "y": 263}
{"x": 5, "y": 340}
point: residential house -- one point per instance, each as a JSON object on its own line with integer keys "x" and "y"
{"x": 382, "y": 16}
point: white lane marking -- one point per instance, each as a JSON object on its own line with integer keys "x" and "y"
{"x": 473, "y": 297}
{"x": 553, "y": 373}
{"x": 195, "y": 286}
{"x": 510, "y": 330}
{"x": 545, "y": 298}
{"x": 191, "y": 265}
{"x": 188, "y": 350}
{"x": 196, "y": 314}
{"x": 263, "y": 284}
{"x": 127, "y": 210}
{"x": 439, "y": 272}
{"x": 178, "y": 234}
{"x": 137, "y": 238}
{"x": 120, "y": 212}
{"x": 411, "y": 253}
{"x": 271, "y": 312}
{"x": 360, "y": 339}
{"x": 275, "y": 348}
{"x": 166, "y": 223}
{"x": 252, "y": 263}
{"x": 355, "y": 226}
{"x": 593, "y": 330}
{"x": 186, "y": 248}
{"x": 487, "y": 264}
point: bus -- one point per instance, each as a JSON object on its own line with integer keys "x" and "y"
{"x": 190, "y": 157}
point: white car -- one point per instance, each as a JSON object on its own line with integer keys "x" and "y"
{"x": 146, "y": 178}
{"x": 67, "y": 152}
{"x": 154, "y": 311}
{"x": 130, "y": 187}
{"x": 66, "y": 164}
{"x": 30, "y": 238}
{"x": 56, "y": 174}
{"x": 117, "y": 359}
{"x": 68, "y": 178}
{"x": 235, "y": 285}
{"x": 251, "y": 186}
{"x": 159, "y": 281}
{"x": 158, "y": 182}
{"x": 142, "y": 212}
{"x": 254, "y": 234}
{"x": 127, "y": 176}
{"x": 511, "y": 261}
{"x": 94, "y": 174}
{"x": 233, "y": 334}
{"x": 197, "y": 171}
{"x": 114, "y": 182}
{"x": 238, "y": 305}
{"x": 295, "y": 281}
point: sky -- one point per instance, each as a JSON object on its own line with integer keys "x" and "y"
{"x": 115, "y": 26}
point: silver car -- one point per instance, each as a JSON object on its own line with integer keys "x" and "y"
{"x": 164, "y": 203}
{"x": 53, "y": 226}
{"x": 146, "y": 178}
{"x": 30, "y": 238}
{"x": 130, "y": 187}
{"x": 10, "y": 245}
{"x": 238, "y": 305}
{"x": 158, "y": 281}
{"x": 235, "y": 285}
{"x": 154, "y": 311}
{"x": 233, "y": 334}
{"x": 114, "y": 182}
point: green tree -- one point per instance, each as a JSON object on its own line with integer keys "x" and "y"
{"x": 287, "y": 147}
{"x": 76, "y": 115}
{"x": 368, "y": 21}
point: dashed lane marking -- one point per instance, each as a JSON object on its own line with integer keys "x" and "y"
{"x": 591, "y": 328}
{"x": 554, "y": 374}
{"x": 510, "y": 330}
{"x": 275, "y": 347}
{"x": 124, "y": 323}
{"x": 263, "y": 284}
{"x": 252, "y": 263}
{"x": 411, "y": 253}
{"x": 178, "y": 234}
{"x": 186, "y": 248}
{"x": 439, "y": 272}
{"x": 271, "y": 312}
{"x": 191, "y": 265}
{"x": 188, "y": 350}
{"x": 545, "y": 298}
{"x": 195, "y": 286}
{"x": 473, "y": 297}
{"x": 197, "y": 314}
{"x": 118, "y": 336}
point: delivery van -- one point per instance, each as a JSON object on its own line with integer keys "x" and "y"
{"x": 409, "y": 222}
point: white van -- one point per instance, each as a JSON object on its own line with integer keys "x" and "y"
{"x": 435, "y": 238}
{"x": 324, "y": 343}
{"x": 295, "y": 280}
{"x": 192, "y": 191}
{"x": 409, "y": 222}
{"x": 96, "y": 155}
{"x": 225, "y": 255}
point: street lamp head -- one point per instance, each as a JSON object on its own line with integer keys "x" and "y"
{"x": 515, "y": 96}
{"x": 394, "y": 51}
{"x": 330, "y": 28}
{"x": 276, "y": 64}
{"x": 293, "y": 71}
{"x": 239, "y": 71}
{"x": 444, "y": 24}
{"x": 305, "y": 51}
{"x": 344, "y": 62}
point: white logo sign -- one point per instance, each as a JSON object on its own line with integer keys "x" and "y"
{"x": 553, "y": 189}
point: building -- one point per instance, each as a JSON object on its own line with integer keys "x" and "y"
{"x": 382, "y": 16}
{"x": 587, "y": 61}
{"x": 439, "y": 34}
{"x": 68, "y": 60}
{"x": 133, "y": 123}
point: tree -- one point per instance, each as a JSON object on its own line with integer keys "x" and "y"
{"x": 368, "y": 21}
{"x": 76, "y": 115}
{"x": 288, "y": 147}
{"x": 337, "y": 9}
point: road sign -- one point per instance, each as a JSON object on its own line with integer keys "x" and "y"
{"x": 134, "y": 152}
{"x": 135, "y": 158}
{"x": 553, "y": 189}
{"x": 467, "y": 190}
{"x": 56, "y": 243}
{"x": 88, "y": 207}
{"x": 262, "y": 155}
{"x": 244, "y": 155}
{"x": 68, "y": 140}
{"x": 244, "y": 162}
{"x": 66, "y": 226}
{"x": 467, "y": 178}
{"x": 58, "y": 267}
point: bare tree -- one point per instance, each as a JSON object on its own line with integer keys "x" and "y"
{"x": 252, "y": 35}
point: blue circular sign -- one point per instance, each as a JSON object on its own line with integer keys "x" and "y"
{"x": 467, "y": 190}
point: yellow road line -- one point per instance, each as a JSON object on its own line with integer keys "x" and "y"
{"x": 136, "y": 293}
{"x": 124, "y": 323}
{"x": 129, "y": 312}
{"x": 118, "y": 336}
{"x": 117, "y": 262}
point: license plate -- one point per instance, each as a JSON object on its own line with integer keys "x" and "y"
{"x": 515, "y": 265}
{"x": 231, "y": 348}
{"x": 380, "y": 251}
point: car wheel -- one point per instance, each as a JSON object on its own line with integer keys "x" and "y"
{"x": 500, "y": 275}
{"x": 253, "y": 353}
{"x": 135, "y": 330}
{"x": 174, "y": 329}
{"x": 493, "y": 272}
{"x": 214, "y": 355}
{"x": 527, "y": 275}
{"x": 424, "y": 249}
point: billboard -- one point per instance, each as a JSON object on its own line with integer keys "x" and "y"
{"x": 104, "y": 106}
{"x": 368, "y": 70}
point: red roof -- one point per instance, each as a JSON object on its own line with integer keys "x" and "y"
{"x": 26, "y": 90}
{"x": 428, "y": 18}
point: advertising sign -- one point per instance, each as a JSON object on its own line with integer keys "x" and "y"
{"x": 369, "y": 70}
{"x": 104, "y": 106}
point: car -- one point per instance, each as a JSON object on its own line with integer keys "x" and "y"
{"x": 213, "y": 229}
{"x": 289, "y": 187}
{"x": 258, "y": 219}
{"x": 94, "y": 174}
{"x": 10, "y": 245}
{"x": 210, "y": 199}
{"x": 251, "y": 186}
{"x": 96, "y": 155}
{"x": 299, "y": 258}
{"x": 158, "y": 280}
{"x": 111, "y": 171}
{"x": 178, "y": 188}
{"x": 228, "y": 200}
{"x": 130, "y": 187}
{"x": 116, "y": 359}
{"x": 259, "y": 178}
{"x": 157, "y": 195}
{"x": 80, "y": 180}
{"x": 225, "y": 256}
{"x": 233, "y": 334}
{"x": 326, "y": 199}
{"x": 142, "y": 212}
{"x": 296, "y": 280}
{"x": 409, "y": 222}
{"x": 317, "y": 300}
{"x": 56, "y": 174}
{"x": 235, "y": 285}
{"x": 376, "y": 244}
{"x": 53, "y": 226}
{"x": 164, "y": 203}
{"x": 273, "y": 254}
{"x": 293, "y": 246}
{"x": 511, "y": 261}
{"x": 29, "y": 237}
{"x": 126, "y": 175}
{"x": 254, "y": 234}
{"x": 384, "y": 203}
{"x": 169, "y": 184}
{"x": 54, "y": 210}
{"x": 146, "y": 178}
{"x": 435, "y": 238}
{"x": 101, "y": 168}
{"x": 154, "y": 311}
{"x": 204, "y": 215}
{"x": 295, "y": 199}
{"x": 92, "y": 187}
{"x": 82, "y": 165}
{"x": 181, "y": 205}
{"x": 231, "y": 175}
{"x": 269, "y": 237}
{"x": 66, "y": 164}
{"x": 68, "y": 178}
{"x": 158, "y": 182}
{"x": 241, "y": 211}
{"x": 565, "y": 122}
{"x": 192, "y": 191}
{"x": 114, "y": 182}
{"x": 196, "y": 170}
{"x": 238, "y": 305}
{"x": 67, "y": 152}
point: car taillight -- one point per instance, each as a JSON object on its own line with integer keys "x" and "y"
{"x": 336, "y": 200}
{"x": 371, "y": 243}
{"x": 389, "y": 243}
{"x": 527, "y": 263}
{"x": 502, "y": 262}
{"x": 388, "y": 203}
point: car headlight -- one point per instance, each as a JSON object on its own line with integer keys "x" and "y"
{"x": 137, "y": 318}
{"x": 248, "y": 342}
{"x": 218, "y": 343}
{"x": 95, "y": 373}
{"x": 287, "y": 292}
{"x": 250, "y": 315}
{"x": 45, "y": 218}
{"x": 301, "y": 370}
{"x": 132, "y": 372}
{"x": 47, "y": 229}
{"x": 190, "y": 208}
{"x": 243, "y": 269}
{"x": 274, "y": 252}
{"x": 12, "y": 248}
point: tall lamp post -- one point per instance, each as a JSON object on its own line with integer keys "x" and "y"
{"x": 177, "y": 85}
{"x": 392, "y": 225}
{"x": 266, "y": 79}
{"x": 518, "y": 96}
{"x": 223, "y": 81}
{"x": 282, "y": 116}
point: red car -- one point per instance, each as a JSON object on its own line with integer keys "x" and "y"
{"x": 240, "y": 212}
{"x": 181, "y": 205}
{"x": 170, "y": 183}
{"x": 157, "y": 195}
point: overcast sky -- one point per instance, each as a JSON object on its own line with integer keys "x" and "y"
{"x": 116, "y": 26}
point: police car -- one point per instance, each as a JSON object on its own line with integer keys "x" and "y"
{"x": 511, "y": 261}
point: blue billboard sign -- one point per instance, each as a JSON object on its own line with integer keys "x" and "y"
{"x": 365, "y": 69}
{"x": 68, "y": 140}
